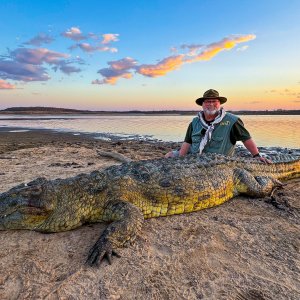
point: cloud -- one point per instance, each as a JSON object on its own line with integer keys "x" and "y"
{"x": 69, "y": 69}
{"x": 123, "y": 64}
{"x": 74, "y": 33}
{"x": 37, "y": 56}
{"x": 225, "y": 44}
{"x": 110, "y": 49}
{"x": 109, "y": 37}
{"x": 163, "y": 67}
{"x": 117, "y": 69}
{"x": 40, "y": 39}
{"x": 112, "y": 77}
{"x": 86, "y": 47}
{"x": 25, "y": 64}
{"x": 21, "y": 71}
{"x": 93, "y": 36}
{"x": 192, "y": 48}
{"x": 66, "y": 68}
{"x": 195, "y": 53}
{"x": 4, "y": 85}
{"x": 243, "y": 48}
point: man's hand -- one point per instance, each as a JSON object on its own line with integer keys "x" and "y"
{"x": 169, "y": 154}
{"x": 264, "y": 159}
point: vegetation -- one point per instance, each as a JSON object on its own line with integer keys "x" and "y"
{"x": 55, "y": 110}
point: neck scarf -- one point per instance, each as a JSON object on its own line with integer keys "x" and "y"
{"x": 209, "y": 128}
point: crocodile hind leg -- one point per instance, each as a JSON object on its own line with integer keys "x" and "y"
{"x": 254, "y": 186}
{"x": 127, "y": 222}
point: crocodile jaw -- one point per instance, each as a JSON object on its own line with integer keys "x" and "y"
{"x": 24, "y": 206}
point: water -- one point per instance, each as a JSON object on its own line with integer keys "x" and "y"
{"x": 267, "y": 130}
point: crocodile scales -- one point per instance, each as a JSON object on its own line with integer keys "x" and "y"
{"x": 127, "y": 194}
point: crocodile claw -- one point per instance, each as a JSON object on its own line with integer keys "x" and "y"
{"x": 99, "y": 251}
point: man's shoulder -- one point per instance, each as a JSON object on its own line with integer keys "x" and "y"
{"x": 231, "y": 116}
{"x": 195, "y": 119}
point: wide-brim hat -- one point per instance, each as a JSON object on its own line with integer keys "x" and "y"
{"x": 211, "y": 94}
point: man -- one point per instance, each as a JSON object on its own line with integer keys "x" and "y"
{"x": 215, "y": 130}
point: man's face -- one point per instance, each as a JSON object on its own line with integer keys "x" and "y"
{"x": 211, "y": 106}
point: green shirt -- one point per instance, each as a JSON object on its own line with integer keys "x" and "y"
{"x": 237, "y": 133}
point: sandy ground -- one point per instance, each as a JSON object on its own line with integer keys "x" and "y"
{"x": 243, "y": 249}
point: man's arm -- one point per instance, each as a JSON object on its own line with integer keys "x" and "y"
{"x": 184, "y": 149}
{"x": 252, "y": 148}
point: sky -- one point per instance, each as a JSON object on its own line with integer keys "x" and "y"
{"x": 149, "y": 55}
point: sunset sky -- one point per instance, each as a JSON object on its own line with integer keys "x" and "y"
{"x": 149, "y": 55}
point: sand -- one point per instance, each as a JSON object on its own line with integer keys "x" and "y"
{"x": 244, "y": 249}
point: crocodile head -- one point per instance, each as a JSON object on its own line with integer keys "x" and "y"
{"x": 26, "y": 206}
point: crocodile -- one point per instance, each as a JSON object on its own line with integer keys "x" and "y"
{"x": 126, "y": 194}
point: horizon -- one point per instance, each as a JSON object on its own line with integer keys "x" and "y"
{"x": 135, "y": 110}
{"x": 149, "y": 56}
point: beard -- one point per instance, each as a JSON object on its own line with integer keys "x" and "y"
{"x": 211, "y": 112}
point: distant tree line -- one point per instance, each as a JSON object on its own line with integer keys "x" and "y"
{"x": 40, "y": 108}
{"x": 55, "y": 110}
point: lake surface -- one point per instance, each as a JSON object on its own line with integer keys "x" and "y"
{"x": 267, "y": 130}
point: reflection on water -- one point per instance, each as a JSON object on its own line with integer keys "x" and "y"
{"x": 267, "y": 130}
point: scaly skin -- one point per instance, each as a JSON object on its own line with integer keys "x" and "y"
{"x": 127, "y": 194}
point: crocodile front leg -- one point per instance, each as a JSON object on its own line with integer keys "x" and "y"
{"x": 254, "y": 186}
{"x": 127, "y": 222}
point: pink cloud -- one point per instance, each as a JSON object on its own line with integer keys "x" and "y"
{"x": 86, "y": 47}
{"x": 37, "y": 56}
{"x": 26, "y": 64}
{"x": 41, "y": 38}
{"x": 118, "y": 69}
{"x": 123, "y": 64}
{"x": 21, "y": 71}
{"x": 4, "y": 85}
{"x": 109, "y": 37}
{"x": 74, "y": 33}
{"x": 67, "y": 69}
{"x": 93, "y": 36}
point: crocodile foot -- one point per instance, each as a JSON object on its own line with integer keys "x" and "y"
{"x": 102, "y": 249}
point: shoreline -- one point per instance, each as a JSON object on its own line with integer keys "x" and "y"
{"x": 20, "y": 133}
{"x": 67, "y": 112}
{"x": 15, "y": 138}
{"x": 93, "y": 135}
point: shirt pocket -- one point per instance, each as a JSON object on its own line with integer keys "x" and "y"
{"x": 196, "y": 137}
{"x": 216, "y": 142}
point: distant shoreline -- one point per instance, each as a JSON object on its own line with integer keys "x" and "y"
{"x": 63, "y": 111}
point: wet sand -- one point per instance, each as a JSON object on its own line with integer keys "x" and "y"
{"x": 243, "y": 249}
